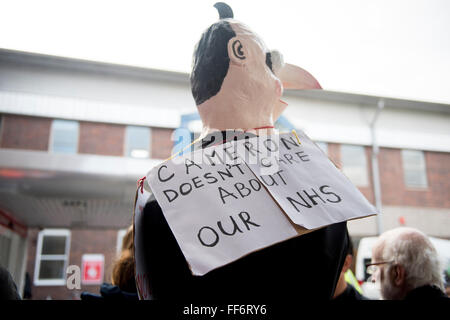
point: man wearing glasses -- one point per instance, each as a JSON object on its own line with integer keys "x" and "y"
{"x": 406, "y": 265}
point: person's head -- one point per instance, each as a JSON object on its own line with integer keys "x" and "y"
{"x": 234, "y": 76}
{"x": 123, "y": 269}
{"x": 408, "y": 260}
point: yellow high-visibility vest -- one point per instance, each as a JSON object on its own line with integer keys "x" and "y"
{"x": 350, "y": 278}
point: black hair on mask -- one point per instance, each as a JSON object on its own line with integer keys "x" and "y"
{"x": 210, "y": 61}
{"x": 224, "y": 10}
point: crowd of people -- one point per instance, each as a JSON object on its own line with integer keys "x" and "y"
{"x": 404, "y": 263}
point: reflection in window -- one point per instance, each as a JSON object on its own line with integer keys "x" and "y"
{"x": 137, "y": 142}
{"x": 65, "y": 136}
{"x": 414, "y": 168}
{"x": 354, "y": 164}
{"x": 52, "y": 255}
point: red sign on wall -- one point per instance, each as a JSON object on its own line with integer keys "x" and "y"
{"x": 92, "y": 269}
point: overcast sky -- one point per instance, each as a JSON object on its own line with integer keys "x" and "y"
{"x": 393, "y": 48}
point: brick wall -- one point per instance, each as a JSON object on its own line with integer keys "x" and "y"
{"x": 162, "y": 143}
{"x": 101, "y": 138}
{"x": 368, "y": 190}
{"x": 32, "y": 133}
{"x": 22, "y": 132}
{"x": 394, "y": 191}
{"x": 82, "y": 242}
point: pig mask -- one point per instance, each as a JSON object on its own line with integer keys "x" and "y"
{"x": 237, "y": 83}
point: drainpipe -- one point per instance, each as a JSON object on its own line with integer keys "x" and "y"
{"x": 375, "y": 171}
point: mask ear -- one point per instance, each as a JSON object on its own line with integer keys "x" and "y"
{"x": 236, "y": 51}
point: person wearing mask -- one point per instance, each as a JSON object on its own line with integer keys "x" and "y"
{"x": 236, "y": 83}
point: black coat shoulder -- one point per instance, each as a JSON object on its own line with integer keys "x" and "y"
{"x": 309, "y": 265}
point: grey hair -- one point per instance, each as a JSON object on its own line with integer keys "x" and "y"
{"x": 414, "y": 251}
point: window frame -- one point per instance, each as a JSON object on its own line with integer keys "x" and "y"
{"x": 52, "y": 134}
{"x": 54, "y": 257}
{"x": 415, "y": 187}
{"x": 366, "y": 165}
{"x": 125, "y": 149}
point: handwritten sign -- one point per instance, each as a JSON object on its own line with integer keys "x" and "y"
{"x": 217, "y": 209}
{"x": 226, "y": 201}
{"x": 304, "y": 182}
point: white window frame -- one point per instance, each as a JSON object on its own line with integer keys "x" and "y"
{"x": 416, "y": 187}
{"x": 120, "y": 234}
{"x": 125, "y": 143}
{"x": 39, "y": 257}
{"x": 50, "y": 144}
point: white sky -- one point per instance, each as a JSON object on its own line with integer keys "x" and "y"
{"x": 393, "y": 48}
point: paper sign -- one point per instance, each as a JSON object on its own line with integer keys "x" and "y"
{"x": 216, "y": 202}
{"x": 304, "y": 182}
{"x": 216, "y": 208}
{"x": 92, "y": 268}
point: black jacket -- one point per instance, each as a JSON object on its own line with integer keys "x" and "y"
{"x": 305, "y": 267}
{"x": 350, "y": 294}
{"x": 426, "y": 292}
{"x": 110, "y": 292}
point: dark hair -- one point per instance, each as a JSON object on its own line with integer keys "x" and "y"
{"x": 210, "y": 61}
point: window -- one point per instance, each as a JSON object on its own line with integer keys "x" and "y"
{"x": 64, "y": 136}
{"x": 137, "y": 142}
{"x": 52, "y": 255}
{"x": 414, "y": 168}
{"x": 323, "y": 146}
{"x": 354, "y": 164}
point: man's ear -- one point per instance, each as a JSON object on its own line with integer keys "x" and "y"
{"x": 237, "y": 51}
{"x": 399, "y": 275}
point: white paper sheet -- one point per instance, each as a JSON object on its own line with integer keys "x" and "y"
{"x": 305, "y": 183}
{"x": 221, "y": 216}
{"x": 219, "y": 211}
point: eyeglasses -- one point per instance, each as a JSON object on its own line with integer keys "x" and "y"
{"x": 371, "y": 268}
